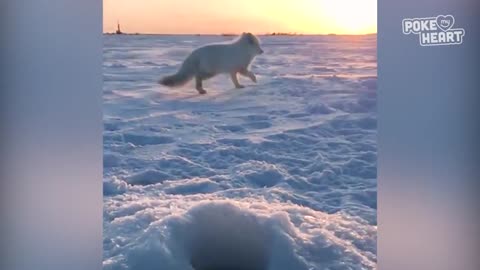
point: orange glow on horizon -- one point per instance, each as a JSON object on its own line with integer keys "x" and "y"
{"x": 236, "y": 16}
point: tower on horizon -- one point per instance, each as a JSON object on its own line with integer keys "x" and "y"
{"x": 119, "y": 32}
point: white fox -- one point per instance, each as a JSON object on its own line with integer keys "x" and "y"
{"x": 208, "y": 61}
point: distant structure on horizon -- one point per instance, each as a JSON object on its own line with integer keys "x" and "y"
{"x": 119, "y": 31}
{"x": 283, "y": 34}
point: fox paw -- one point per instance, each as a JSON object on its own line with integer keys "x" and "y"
{"x": 239, "y": 86}
{"x": 202, "y": 91}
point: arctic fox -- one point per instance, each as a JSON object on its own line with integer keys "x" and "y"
{"x": 208, "y": 61}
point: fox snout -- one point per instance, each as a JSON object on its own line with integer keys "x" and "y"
{"x": 260, "y": 51}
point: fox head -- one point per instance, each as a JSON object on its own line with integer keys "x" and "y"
{"x": 253, "y": 42}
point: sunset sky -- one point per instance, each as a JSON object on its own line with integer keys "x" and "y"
{"x": 237, "y": 16}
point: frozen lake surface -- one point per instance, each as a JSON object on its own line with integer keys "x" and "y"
{"x": 280, "y": 175}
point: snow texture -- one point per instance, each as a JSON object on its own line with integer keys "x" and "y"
{"x": 280, "y": 175}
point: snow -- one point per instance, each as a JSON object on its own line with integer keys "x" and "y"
{"x": 278, "y": 175}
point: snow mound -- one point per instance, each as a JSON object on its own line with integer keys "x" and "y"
{"x": 220, "y": 234}
{"x": 319, "y": 109}
{"x": 114, "y": 186}
{"x": 191, "y": 186}
{"x": 260, "y": 173}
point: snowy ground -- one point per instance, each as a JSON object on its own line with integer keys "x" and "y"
{"x": 280, "y": 175}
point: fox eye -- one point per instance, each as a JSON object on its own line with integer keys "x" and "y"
{"x": 250, "y": 40}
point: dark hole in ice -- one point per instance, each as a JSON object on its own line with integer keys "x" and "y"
{"x": 229, "y": 241}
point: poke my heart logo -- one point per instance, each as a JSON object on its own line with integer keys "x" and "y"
{"x": 434, "y": 31}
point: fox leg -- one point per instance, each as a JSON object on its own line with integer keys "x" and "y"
{"x": 199, "y": 78}
{"x": 249, "y": 74}
{"x": 199, "y": 85}
{"x": 233, "y": 75}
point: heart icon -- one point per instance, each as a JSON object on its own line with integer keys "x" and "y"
{"x": 445, "y": 22}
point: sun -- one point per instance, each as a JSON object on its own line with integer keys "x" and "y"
{"x": 351, "y": 16}
{"x": 337, "y": 16}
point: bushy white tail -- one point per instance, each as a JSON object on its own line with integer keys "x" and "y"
{"x": 184, "y": 75}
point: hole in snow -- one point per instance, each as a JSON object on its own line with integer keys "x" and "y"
{"x": 225, "y": 238}
{"x": 216, "y": 236}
